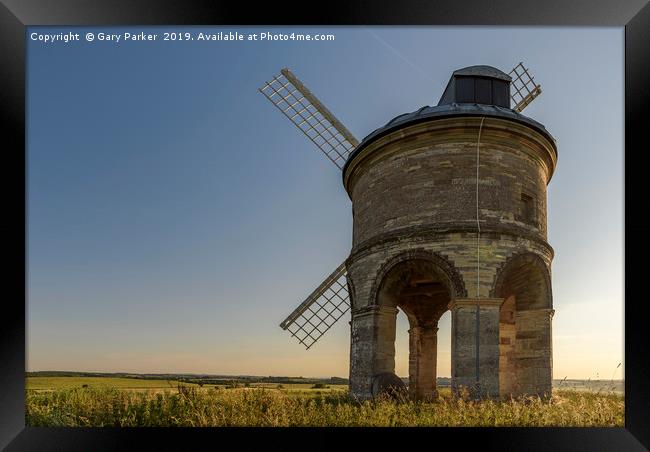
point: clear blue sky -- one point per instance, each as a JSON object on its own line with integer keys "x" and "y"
{"x": 175, "y": 217}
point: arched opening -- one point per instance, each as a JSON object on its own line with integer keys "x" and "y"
{"x": 524, "y": 326}
{"x": 443, "y": 367}
{"x": 402, "y": 344}
{"x": 420, "y": 289}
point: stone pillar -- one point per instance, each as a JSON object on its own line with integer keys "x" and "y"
{"x": 533, "y": 352}
{"x": 463, "y": 345}
{"x": 507, "y": 359}
{"x": 507, "y": 338}
{"x": 372, "y": 347}
{"x": 423, "y": 352}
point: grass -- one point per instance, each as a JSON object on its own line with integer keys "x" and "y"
{"x": 192, "y": 406}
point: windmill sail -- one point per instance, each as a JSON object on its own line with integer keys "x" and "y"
{"x": 322, "y": 308}
{"x": 523, "y": 89}
{"x": 307, "y": 113}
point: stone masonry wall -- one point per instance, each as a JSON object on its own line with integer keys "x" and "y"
{"x": 414, "y": 193}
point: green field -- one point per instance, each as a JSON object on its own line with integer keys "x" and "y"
{"x": 107, "y": 401}
{"x": 140, "y": 384}
{"x": 54, "y": 383}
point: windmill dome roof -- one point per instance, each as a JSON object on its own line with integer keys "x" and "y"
{"x": 428, "y": 113}
{"x": 483, "y": 71}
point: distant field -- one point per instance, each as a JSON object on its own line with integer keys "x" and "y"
{"x": 301, "y": 388}
{"x": 597, "y": 386}
{"x": 136, "y": 384}
{"x": 52, "y": 383}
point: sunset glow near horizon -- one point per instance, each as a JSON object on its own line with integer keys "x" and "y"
{"x": 175, "y": 217}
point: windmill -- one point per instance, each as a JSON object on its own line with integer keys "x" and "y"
{"x": 330, "y": 300}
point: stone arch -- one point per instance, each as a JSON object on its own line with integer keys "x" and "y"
{"x": 526, "y": 276}
{"x": 351, "y": 291}
{"x": 421, "y": 284}
{"x": 451, "y": 276}
{"x": 525, "y": 350}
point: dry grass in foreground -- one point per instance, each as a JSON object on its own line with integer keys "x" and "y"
{"x": 190, "y": 407}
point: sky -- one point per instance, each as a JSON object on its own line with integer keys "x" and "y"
{"x": 175, "y": 217}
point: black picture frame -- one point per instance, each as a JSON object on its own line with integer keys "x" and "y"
{"x": 16, "y": 15}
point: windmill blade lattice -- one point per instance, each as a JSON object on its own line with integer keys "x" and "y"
{"x": 523, "y": 89}
{"x": 322, "y": 309}
{"x": 307, "y": 113}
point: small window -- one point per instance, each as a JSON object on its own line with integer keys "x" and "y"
{"x": 464, "y": 89}
{"x": 527, "y": 208}
{"x": 500, "y": 93}
{"x": 483, "y": 91}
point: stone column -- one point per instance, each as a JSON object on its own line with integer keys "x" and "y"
{"x": 463, "y": 345}
{"x": 423, "y": 353}
{"x": 372, "y": 347}
{"x": 507, "y": 359}
{"x": 533, "y": 352}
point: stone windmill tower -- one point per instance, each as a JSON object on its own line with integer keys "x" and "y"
{"x": 449, "y": 212}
